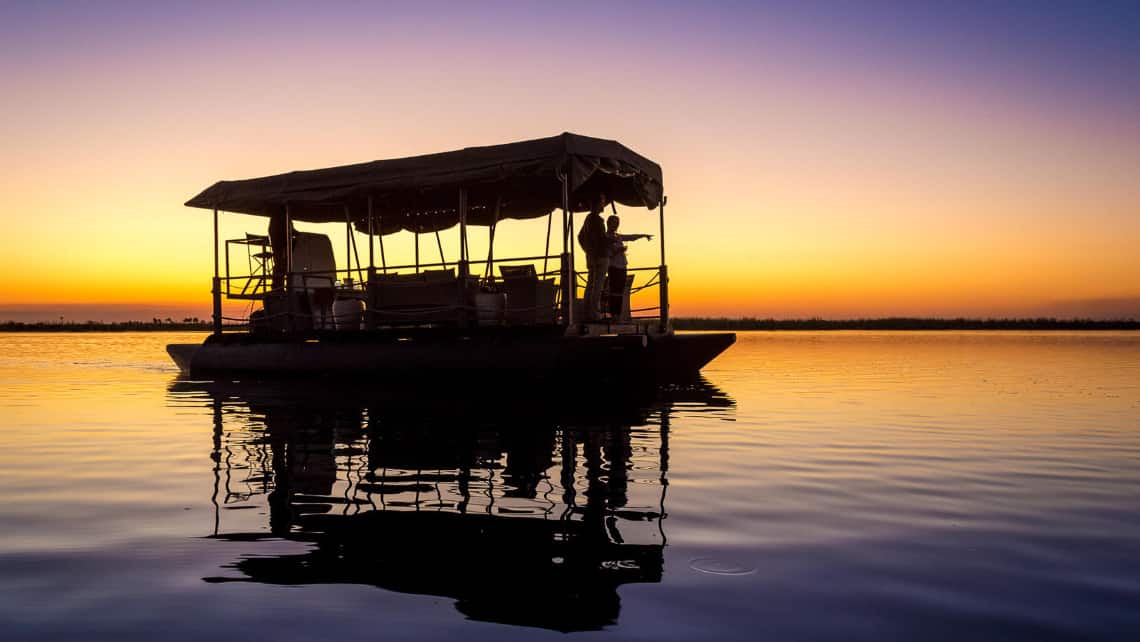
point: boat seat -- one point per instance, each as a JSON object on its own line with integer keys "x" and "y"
{"x": 517, "y": 271}
{"x": 530, "y": 300}
{"x": 314, "y": 272}
{"x": 426, "y": 297}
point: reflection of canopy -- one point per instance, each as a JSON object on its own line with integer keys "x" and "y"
{"x": 421, "y": 193}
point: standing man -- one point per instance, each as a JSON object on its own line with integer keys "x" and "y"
{"x": 592, "y": 237}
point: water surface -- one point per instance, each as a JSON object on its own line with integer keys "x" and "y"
{"x": 845, "y": 485}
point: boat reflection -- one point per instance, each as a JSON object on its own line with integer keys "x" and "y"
{"x": 523, "y": 507}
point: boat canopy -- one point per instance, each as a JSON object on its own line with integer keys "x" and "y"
{"x": 421, "y": 193}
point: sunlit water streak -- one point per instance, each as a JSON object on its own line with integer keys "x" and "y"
{"x": 821, "y": 486}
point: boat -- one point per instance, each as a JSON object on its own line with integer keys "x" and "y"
{"x": 457, "y": 314}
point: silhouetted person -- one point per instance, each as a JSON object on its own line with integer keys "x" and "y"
{"x": 592, "y": 238}
{"x": 280, "y": 232}
{"x": 618, "y": 262}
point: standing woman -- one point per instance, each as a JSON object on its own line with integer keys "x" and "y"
{"x": 618, "y": 263}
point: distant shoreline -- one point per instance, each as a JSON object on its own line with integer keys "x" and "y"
{"x": 684, "y": 323}
{"x": 903, "y": 323}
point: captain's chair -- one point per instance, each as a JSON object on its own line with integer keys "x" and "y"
{"x": 314, "y": 272}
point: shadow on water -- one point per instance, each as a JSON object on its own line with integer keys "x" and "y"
{"x": 526, "y": 507}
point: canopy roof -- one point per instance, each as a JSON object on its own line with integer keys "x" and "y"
{"x": 421, "y": 193}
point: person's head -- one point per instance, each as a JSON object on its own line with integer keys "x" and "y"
{"x": 599, "y": 205}
{"x": 612, "y": 223}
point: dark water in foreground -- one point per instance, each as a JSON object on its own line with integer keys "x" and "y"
{"x": 929, "y": 486}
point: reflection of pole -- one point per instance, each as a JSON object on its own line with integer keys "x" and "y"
{"x": 663, "y": 466}
{"x": 490, "y": 490}
{"x": 216, "y": 455}
{"x": 464, "y": 488}
{"x": 569, "y": 463}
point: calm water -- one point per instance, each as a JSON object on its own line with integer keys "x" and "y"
{"x": 930, "y": 486}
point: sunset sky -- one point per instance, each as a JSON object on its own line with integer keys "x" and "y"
{"x": 832, "y": 159}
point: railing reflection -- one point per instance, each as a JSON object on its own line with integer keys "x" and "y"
{"x": 522, "y": 507}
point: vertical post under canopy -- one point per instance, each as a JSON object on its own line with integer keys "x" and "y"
{"x": 371, "y": 240}
{"x": 464, "y": 258}
{"x": 567, "y": 258}
{"x": 217, "y": 285}
{"x": 663, "y": 289}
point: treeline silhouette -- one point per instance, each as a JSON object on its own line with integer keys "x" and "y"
{"x": 156, "y": 324}
{"x": 682, "y": 323}
{"x": 902, "y": 323}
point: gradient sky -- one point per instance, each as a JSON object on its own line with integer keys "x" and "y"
{"x": 821, "y": 159}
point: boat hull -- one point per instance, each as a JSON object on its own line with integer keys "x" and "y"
{"x": 663, "y": 357}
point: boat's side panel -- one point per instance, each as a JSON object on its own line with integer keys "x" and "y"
{"x": 400, "y": 357}
{"x": 604, "y": 356}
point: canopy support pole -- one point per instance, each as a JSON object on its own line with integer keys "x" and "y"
{"x": 546, "y": 253}
{"x": 352, "y": 245}
{"x": 347, "y": 245}
{"x": 567, "y": 258}
{"x": 464, "y": 256}
{"x": 439, "y": 243}
{"x": 370, "y": 323}
{"x": 371, "y": 241}
{"x": 288, "y": 245}
{"x": 462, "y": 294}
{"x": 289, "y": 267}
{"x": 490, "y": 271}
{"x": 217, "y": 289}
{"x": 417, "y": 237}
{"x": 380, "y": 233}
{"x": 663, "y": 288}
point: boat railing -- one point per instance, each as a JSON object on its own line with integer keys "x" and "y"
{"x": 392, "y": 295}
{"x": 644, "y": 288}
